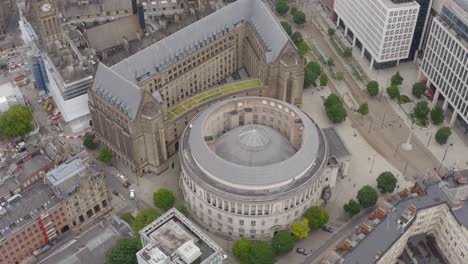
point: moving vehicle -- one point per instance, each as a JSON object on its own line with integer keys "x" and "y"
{"x": 132, "y": 194}
{"x": 327, "y": 229}
{"x": 302, "y": 251}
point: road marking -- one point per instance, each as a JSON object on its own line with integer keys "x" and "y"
{"x": 123, "y": 198}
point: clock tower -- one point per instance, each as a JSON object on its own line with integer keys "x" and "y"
{"x": 48, "y": 16}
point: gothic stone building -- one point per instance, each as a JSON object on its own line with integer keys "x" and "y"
{"x": 141, "y": 105}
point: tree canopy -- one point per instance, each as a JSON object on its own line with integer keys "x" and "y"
{"x": 442, "y": 135}
{"x": 386, "y": 182}
{"x": 282, "y": 243}
{"x": 393, "y": 92}
{"x": 367, "y": 196}
{"x": 299, "y": 17}
{"x": 437, "y": 115}
{"x": 293, "y": 10}
{"x": 418, "y": 89}
{"x": 303, "y": 48}
{"x": 287, "y": 27}
{"x": 143, "y": 218}
{"x": 262, "y": 253}
{"x": 311, "y": 73}
{"x": 316, "y": 216}
{"x": 124, "y": 252}
{"x": 16, "y": 122}
{"x": 373, "y": 88}
{"x": 300, "y": 229}
{"x": 337, "y": 113}
{"x": 282, "y": 7}
{"x": 164, "y": 199}
{"x": 348, "y": 53}
{"x": 397, "y": 79}
{"x": 364, "y": 109}
{"x": 323, "y": 80}
{"x": 352, "y": 207}
{"x": 421, "y": 110}
{"x": 296, "y": 37}
{"x": 88, "y": 142}
{"x": 105, "y": 155}
{"x": 332, "y": 99}
{"x": 242, "y": 249}
{"x": 183, "y": 209}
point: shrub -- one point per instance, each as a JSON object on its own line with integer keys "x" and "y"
{"x": 367, "y": 196}
{"x": 373, "y": 88}
{"x": 348, "y": 53}
{"x": 293, "y": 10}
{"x": 105, "y": 155}
{"x": 437, "y": 115}
{"x": 127, "y": 217}
{"x": 421, "y": 110}
{"x": 282, "y": 7}
{"x": 418, "y": 89}
{"x": 393, "y": 92}
{"x": 386, "y": 182}
{"x": 442, "y": 135}
{"x": 287, "y": 27}
{"x": 364, "y": 109}
{"x": 331, "y": 31}
{"x": 299, "y": 17}
{"x": 323, "y": 80}
{"x": 303, "y": 48}
{"x": 88, "y": 142}
{"x": 297, "y": 38}
{"x": 396, "y": 79}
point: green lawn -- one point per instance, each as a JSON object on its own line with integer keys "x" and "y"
{"x": 210, "y": 94}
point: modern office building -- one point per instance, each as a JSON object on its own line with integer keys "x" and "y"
{"x": 446, "y": 59}
{"x": 141, "y": 105}
{"x": 382, "y": 29}
{"x": 174, "y": 239}
{"x": 251, "y": 166}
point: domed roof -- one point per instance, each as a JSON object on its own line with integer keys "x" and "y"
{"x": 253, "y": 146}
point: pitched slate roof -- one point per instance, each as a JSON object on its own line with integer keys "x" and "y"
{"x": 188, "y": 40}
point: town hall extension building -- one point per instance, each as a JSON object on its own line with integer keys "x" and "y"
{"x": 141, "y": 105}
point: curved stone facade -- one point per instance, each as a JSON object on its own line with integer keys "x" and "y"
{"x": 240, "y": 193}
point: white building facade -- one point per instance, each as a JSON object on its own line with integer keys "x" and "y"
{"x": 383, "y": 29}
{"x": 445, "y": 64}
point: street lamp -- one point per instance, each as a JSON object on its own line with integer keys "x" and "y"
{"x": 445, "y": 154}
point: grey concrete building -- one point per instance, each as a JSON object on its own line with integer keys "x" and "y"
{"x": 141, "y": 105}
{"x": 251, "y": 166}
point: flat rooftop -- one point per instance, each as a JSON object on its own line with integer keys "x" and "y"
{"x": 65, "y": 171}
{"x": 166, "y": 235}
{"x": 26, "y": 208}
{"x": 381, "y": 238}
{"x": 396, "y": 4}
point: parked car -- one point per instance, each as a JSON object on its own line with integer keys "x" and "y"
{"x": 302, "y": 251}
{"x": 114, "y": 192}
{"x": 132, "y": 194}
{"x": 327, "y": 229}
{"x": 123, "y": 180}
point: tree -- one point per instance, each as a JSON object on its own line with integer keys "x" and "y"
{"x": 105, "y": 155}
{"x": 282, "y": 7}
{"x": 127, "y": 217}
{"x": 164, "y": 199}
{"x": 352, "y": 207}
{"x": 373, "y": 88}
{"x": 386, "y": 182}
{"x": 421, "y": 110}
{"x": 314, "y": 67}
{"x": 296, "y": 37}
{"x": 242, "y": 249}
{"x": 299, "y": 17}
{"x": 437, "y": 115}
{"x": 183, "y": 209}
{"x": 323, "y": 80}
{"x": 282, "y": 243}
{"x": 336, "y": 113}
{"x": 88, "y": 142}
{"x": 367, "y": 196}
{"x": 348, "y": 53}
{"x": 418, "y": 89}
{"x": 303, "y": 48}
{"x": 330, "y": 62}
{"x": 393, "y": 92}
{"x": 287, "y": 27}
{"x": 331, "y": 32}
{"x": 262, "y": 253}
{"x": 397, "y": 79}
{"x": 332, "y": 99}
{"x": 293, "y": 10}
{"x": 442, "y": 135}
{"x": 143, "y": 218}
{"x": 16, "y": 122}
{"x": 316, "y": 216}
{"x": 124, "y": 252}
{"x": 300, "y": 229}
{"x": 311, "y": 73}
{"x": 364, "y": 109}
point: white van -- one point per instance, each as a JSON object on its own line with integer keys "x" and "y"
{"x": 132, "y": 194}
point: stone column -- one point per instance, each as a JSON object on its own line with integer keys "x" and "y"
{"x": 453, "y": 119}
{"x": 436, "y": 97}
{"x": 354, "y": 41}
{"x": 363, "y": 50}
{"x": 419, "y": 75}
{"x": 444, "y": 107}
{"x": 371, "y": 63}
{"x": 338, "y": 21}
